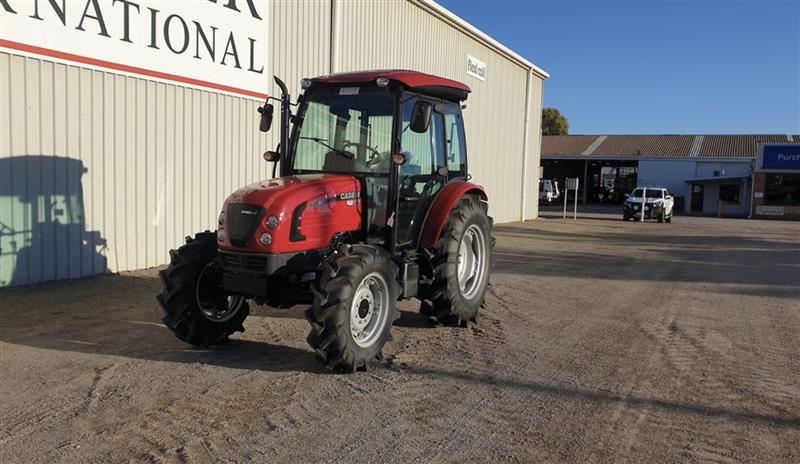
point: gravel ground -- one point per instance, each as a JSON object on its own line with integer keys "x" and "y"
{"x": 602, "y": 341}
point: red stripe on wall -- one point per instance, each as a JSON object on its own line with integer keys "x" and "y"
{"x": 125, "y": 68}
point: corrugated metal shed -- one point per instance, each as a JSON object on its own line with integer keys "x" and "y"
{"x": 106, "y": 172}
{"x": 496, "y": 106}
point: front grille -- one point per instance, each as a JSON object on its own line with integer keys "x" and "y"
{"x": 242, "y": 221}
{"x": 244, "y": 262}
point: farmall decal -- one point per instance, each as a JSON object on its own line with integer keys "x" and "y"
{"x": 212, "y": 44}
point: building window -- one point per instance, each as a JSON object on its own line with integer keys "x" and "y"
{"x": 782, "y": 189}
{"x": 729, "y": 193}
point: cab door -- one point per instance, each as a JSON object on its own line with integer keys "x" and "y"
{"x": 422, "y": 175}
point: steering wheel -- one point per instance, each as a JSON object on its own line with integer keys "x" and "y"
{"x": 361, "y": 145}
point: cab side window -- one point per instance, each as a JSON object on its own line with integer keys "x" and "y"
{"x": 456, "y": 146}
{"x": 425, "y": 152}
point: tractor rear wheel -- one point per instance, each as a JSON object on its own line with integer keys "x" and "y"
{"x": 461, "y": 264}
{"x": 196, "y": 308}
{"x": 354, "y": 307}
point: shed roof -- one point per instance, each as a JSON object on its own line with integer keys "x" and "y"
{"x": 743, "y": 146}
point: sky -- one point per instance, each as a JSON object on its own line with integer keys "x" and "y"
{"x": 657, "y": 67}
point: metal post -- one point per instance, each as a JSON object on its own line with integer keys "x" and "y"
{"x": 566, "y": 194}
{"x": 526, "y": 130}
{"x": 334, "y": 38}
{"x": 585, "y": 180}
{"x": 575, "y": 212}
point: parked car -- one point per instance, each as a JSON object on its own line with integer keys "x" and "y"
{"x": 656, "y": 203}
{"x": 548, "y": 191}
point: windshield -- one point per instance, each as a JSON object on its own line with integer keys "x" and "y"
{"x": 651, "y": 193}
{"x": 345, "y": 129}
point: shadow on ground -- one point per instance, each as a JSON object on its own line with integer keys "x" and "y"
{"x": 118, "y": 316}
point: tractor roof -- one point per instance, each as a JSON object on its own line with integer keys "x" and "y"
{"x": 426, "y": 83}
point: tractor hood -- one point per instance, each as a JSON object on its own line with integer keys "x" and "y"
{"x": 290, "y": 214}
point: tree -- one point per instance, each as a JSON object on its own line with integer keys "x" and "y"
{"x": 554, "y": 123}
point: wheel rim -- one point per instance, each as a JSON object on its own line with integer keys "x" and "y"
{"x": 369, "y": 310}
{"x": 471, "y": 261}
{"x": 215, "y": 305}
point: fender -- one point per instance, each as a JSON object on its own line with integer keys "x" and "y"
{"x": 441, "y": 207}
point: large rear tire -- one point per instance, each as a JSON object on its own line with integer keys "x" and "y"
{"x": 461, "y": 265}
{"x": 354, "y": 307}
{"x": 196, "y": 309}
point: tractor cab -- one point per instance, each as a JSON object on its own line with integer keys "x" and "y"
{"x": 400, "y": 133}
{"x": 373, "y": 204}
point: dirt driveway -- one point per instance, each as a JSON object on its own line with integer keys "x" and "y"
{"x": 602, "y": 341}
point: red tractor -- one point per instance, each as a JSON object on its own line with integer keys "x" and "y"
{"x": 374, "y": 204}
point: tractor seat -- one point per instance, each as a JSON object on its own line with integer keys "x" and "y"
{"x": 335, "y": 162}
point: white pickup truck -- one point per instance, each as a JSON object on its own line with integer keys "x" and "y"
{"x": 656, "y": 203}
{"x": 548, "y": 191}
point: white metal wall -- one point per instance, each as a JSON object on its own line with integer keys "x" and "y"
{"x": 151, "y": 163}
{"x": 104, "y": 172}
{"x": 400, "y": 34}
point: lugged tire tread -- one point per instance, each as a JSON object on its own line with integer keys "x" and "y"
{"x": 329, "y": 315}
{"x": 178, "y": 301}
{"x": 440, "y": 295}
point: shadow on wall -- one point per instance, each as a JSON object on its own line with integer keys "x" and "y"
{"x": 43, "y": 232}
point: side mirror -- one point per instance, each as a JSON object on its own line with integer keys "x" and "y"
{"x": 421, "y": 117}
{"x": 266, "y": 117}
{"x": 271, "y": 156}
{"x": 627, "y": 195}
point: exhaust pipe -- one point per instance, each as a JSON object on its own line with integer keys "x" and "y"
{"x": 286, "y": 114}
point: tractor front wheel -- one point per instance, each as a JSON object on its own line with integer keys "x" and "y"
{"x": 354, "y": 307}
{"x": 195, "y": 306}
{"x": 461, "y": 264}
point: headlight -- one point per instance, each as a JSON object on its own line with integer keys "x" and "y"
{"x": 221, "y": 219}
{"x": 220, "y": 235}
{"x": 272, "y": 222}
{"x": 265, "y": 238}
{"x": 636, "y": 207}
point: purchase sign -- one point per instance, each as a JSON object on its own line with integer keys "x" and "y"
{"x": 213, "y": 44}
{"x": 769, "y": 210}
{"x": 781, "y": 156}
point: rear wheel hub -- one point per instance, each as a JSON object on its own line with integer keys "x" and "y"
{"x": 471, "y": 261}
